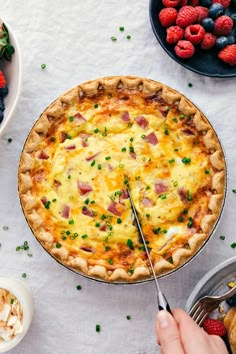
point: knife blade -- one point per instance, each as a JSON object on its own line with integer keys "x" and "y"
{"x": 161, "y": 299}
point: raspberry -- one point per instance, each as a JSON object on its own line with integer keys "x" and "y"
{"x": 215, "y": 327}
{"x": 223, "y": 26}
{"x": 184, "y": 49}
{"x": 170, "y": 3}
{"x": 208, "y": 41}
{"x": 2, "y": 79}
{"x": 174, "y": 34}
{"x": 228, "y": 54}
{"x": 202, "y": 12}
{"x": 224, "y": 3}
{"x": 168, "y": 16}
{"x": 194, "y": 34}
{"x": 187, "y": 16}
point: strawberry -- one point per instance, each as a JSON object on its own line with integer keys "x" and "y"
{"x": 224, "y": 3}
{"x": 168, "y": 16}
{"x": 187, "y": 16}
{"x": 184, "y": 49}
{"x": 228, "y": 54}
{"x": 223, "y": 26}
{"x": 202, "y": 12}
{"x": 194, "y": 34}
{"x": 216, "y": 327}
{"x": 170, "y": 3}
{"x": 174, "y": 34}
{"x": 2, "y": 80}
{"x": 208, "y": 41}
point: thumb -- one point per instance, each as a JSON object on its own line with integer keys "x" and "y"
{"x": 167, "y": 334}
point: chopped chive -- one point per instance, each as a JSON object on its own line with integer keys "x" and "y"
{"x": 181, "y": 116}
{"x": 166, "y": 132}
{"x": 107, "y": 248}
{"x": 110, "y": 261}
{"x": 190, "y": 84}
{"x": 78, "y": 287}
{"x": 53, "y": 139}
{"x": 92, "y": 163}
{"x": 123, "y": 149}
{"x": 69, "y": 177}
{"x": 98, "y": 328}
{"x": 122, "y": 29}
{"x": 126, "y": 181}
{"x": 186, "y": 160}
{"x": 47, "y": 205}
{"x": 147, "y": 188}
{"x": 96, "y": 130}
{"x": 143, "y": 136}
{"x": 5, "y": 228}
{"x": 68, "y": 232}
{"x": 129, "y": 243}
{"x": 92, "y": 202}
{"x": 175, "y": 120}
{"x": 175, "y": 183}
{"x": 68, "y": 136}
{"x": 189, "y": 196}
{"x": 9, "y": 140}
{"x": 113, "y": 39}
{"x": 97, "y": 224}
{"x": 84, "y": 236}
{"x": 71, "y": 222}
{"x": 207, "y": 172}
{"x": 128, "y": 37}
{"x": 181, "y": 219}
{"x": 58, "y": 245}
{"x": 185, "y": 211}
{"x": 128, "y": 317}
{"x": 176, "y": 149}
{"x": 63, "y": 237}
{"x": 43, "y": 66}
{"x": 164, "y": 231}
{"x": 131, "y": 149}
{"x": 107, "y": 157}
{"x": 171, "y": 161}
{"x": 131, "y": 139}
{"x": 18, "y": 248}
{"x": 24, "y": 275}
{"x": 87, "y": 201}
{"x": 156, "y": 231}
{"x": 96, "y": 105}
{"x": 233, "y": 245}
{"x": 54, "y": 200}
{"x": 137, "y": 178}
{"x": 12, "y": 301}
{"x": 71, "y": 118}
{"x": 234, "y": 190}
{"x": 99, "y": 166}
{"x": 190, "y": 224}
{"x": 222, "y": 238}
{"x": 84, "y": 208}
{"x": 103, "y": 217}
{"x": 163, "y": 196}
{"x": 148, "y": 215}
{"x": 170, "y": 260}
{"x": 119, "y": 221}
{"x": 190, "y": 218}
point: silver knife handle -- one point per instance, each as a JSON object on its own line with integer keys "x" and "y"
{"x": 162, "y": 302}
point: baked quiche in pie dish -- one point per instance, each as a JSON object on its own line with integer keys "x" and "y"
{"x": 94, "y": 140}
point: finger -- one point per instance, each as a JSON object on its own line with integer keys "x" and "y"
{"x": 167, "y": 334}
{"x": 189, "y": 329}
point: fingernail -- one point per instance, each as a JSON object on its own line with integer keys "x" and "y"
{"x": 163, "y": 319}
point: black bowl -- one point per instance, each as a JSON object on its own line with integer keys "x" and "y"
{"x": 203, "y": 62}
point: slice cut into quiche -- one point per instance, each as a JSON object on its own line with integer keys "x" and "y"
{"x": 73, "y": 175}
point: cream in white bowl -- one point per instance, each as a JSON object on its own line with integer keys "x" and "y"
{"x": 18, "y": 313}
{"x": 13, "y": 72}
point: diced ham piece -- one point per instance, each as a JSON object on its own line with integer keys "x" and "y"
{"x": 56, "y": 184}
{"x": 164, "y": 111}
{"x": 124, "y": 195}
{"x": 114, "y": 208}
{"x": 63, "y": 137}
{"x": 86, "y": 249}
{"x": 133, "y": 155}
{"x": 160, "y": 187}
{"x": 92, "y": 157}
{"x": 103, "y": 227}
{"x": 151, "y": 138}
{"x": 182, "y": 193}
{"x": 79, "y": 118}
{"x": 84, "y": 188}
{"x": 125, "y": 116}
{"x": 110, "y": 167}
{"x": 65, "y": 212}
{"x": 39, "y": 176}
{"x": 44, "y": 200}
{"x": 142, "y": 122}
{"x": 70, "y": 147}
{"x": 84, "y": 138}
{"x": 147, "y": 202}
{"x": 87, "y": 212}
{"x": 188, "y": 131}
{"x": 43, "y": 155}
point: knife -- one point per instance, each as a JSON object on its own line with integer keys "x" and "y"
{"x": 161, "y": 299}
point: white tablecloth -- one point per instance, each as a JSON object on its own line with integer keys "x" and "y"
{"x": 73, "y": 39}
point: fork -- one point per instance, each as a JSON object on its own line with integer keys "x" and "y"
{"x": 205, "y": 305}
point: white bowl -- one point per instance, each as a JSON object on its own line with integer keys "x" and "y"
{"x": 24, "y": 296}
{"x": 13, "y": 73}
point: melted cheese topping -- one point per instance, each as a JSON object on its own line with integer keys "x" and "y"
{"x": 122, "y": 136}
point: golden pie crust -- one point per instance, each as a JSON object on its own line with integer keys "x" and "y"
{"x": 81, "y": 153}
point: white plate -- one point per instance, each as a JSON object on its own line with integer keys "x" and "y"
{"x": 13, "y": 73}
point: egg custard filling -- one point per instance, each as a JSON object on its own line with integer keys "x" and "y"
{"x": 93, "y": 141}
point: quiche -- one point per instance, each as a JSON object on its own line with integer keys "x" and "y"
{"x": 94, "y": 140}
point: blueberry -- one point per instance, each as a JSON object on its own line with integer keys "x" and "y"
{"x": 3, "y": 91}
{"x": 1, "y": 116}
{"x": 216, "y": 10}
{"x": 208, "y": 24}
{"x": 221, "y": 42}
{"x": 232, "y": 300}
{"x": 205, "y": 3}
{"x": 2, "y": 106}
{"x": 231, "y": 39}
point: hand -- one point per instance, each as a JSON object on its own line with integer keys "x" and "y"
{"x": 179, "y": 334}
